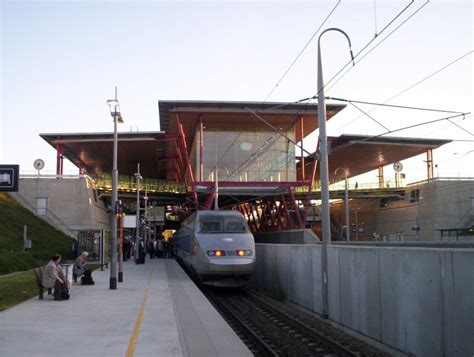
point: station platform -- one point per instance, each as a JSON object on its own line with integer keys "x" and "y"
{"x": 156, "y": 311}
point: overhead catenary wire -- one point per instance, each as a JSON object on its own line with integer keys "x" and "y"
{"x": 301, "y": 52}
{"x": 375, "y": 46}
{"x": 367, "y": 45}
{"x": 393, "y": 105}
{"x": 399, "y": 129}
{"x": 375, "y": 120}
{"x": 411, "y": 86}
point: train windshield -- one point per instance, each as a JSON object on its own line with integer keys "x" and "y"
{"x": 211, "y": 226}
{"x": 222, "y": 225}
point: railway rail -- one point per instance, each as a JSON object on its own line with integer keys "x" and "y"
{"x": 271, "y": 328}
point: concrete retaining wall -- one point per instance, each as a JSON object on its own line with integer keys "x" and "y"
{"x": 420, "y": 301}
{"x": 293, "y": 236}
{"x": 72, "y": 204}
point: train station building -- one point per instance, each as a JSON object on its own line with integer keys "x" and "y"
{"x": 400, "y": 281}
{"x": 248, "y": 156}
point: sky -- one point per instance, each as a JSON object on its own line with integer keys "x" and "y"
{"x": 61, "y": 60}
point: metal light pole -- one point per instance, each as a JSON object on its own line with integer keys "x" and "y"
{"x": 346, "y": 199}
{"x": 145, "y": 230}
{"x": 324, "y": 176}
{"x": 115, "y": 112}
{"x": 137, "y": 233}
{"x": 216, "y": 198}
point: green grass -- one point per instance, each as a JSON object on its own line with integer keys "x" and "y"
{"x": 17, "y": 288}
{"x": 46, "y": 240}
{"x": 22, "y": 286}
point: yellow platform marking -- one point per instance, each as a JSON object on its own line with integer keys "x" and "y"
{"x": 132, "y": 342}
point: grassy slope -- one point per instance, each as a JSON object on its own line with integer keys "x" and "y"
{"x": 20, "y": 287}
{"x": 46, "y": 240}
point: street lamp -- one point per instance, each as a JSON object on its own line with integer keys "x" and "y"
{"x": 138, "y": 177}
{"x": 324, "y": 176}
{"x": 115, "y": 112}
{"x": 346, "y": 199}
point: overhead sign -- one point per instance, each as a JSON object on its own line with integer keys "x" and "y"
{"x": 9, "y": 178}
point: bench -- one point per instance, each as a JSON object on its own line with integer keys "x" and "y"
{"x": 39, "y": 278}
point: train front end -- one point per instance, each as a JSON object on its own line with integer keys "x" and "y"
{"x": 226, "y": 247}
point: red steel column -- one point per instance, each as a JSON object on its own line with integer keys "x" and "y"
{"x": 191, "y": 176}
{"x": 201, "y": 139}
{"x": 302, "y": 152}
{"x": 297, "y": 210}
{"x": 287, "y": 213}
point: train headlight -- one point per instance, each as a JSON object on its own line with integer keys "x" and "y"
{"x": 215, "y": 253}
{"x": 244, "y": 253}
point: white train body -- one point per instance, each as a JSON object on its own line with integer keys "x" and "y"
{"x": 217, "y": 246}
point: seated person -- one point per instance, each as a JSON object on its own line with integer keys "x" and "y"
{"x": 53, "y": 277}
{"x": 80, "y": 269}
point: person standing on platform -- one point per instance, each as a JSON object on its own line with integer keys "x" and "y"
{"x": 155, "y": 248}
{"x": 150, "y": 249}
{"x": 141, "y": 252}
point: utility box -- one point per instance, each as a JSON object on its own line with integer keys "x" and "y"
{"x": 27, "y": 244}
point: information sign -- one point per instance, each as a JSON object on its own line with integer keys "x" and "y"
{"x": 9, "y": 178}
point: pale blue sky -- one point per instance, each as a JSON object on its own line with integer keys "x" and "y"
{"x": 62, "y": 59}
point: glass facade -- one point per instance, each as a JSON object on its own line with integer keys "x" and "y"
{"x": 245, "y": 156}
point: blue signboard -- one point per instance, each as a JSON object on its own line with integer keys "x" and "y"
{"x": 9, "y": 178}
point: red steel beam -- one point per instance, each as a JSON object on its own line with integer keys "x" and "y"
{"x": 297, "y": 210}
{"x": 251, "y": 184}
{"x": 287, "y": 213}
{"x": 188, "y": 162}
{"x": 302, "y": 153}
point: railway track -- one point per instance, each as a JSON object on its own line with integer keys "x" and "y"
{"x": 269, "y": 330}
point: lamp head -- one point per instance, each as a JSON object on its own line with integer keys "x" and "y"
{"x": 115, "y": 110}
{"x": 112, "y": 103}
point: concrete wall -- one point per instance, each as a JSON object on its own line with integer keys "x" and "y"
{"x": 420, "y": 301}
{"x": 293, "y": 236}
{"x": 72, "y": 204}
{"x": 443, "y": 205}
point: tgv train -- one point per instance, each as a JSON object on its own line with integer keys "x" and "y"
{"x": 216, "y": 246}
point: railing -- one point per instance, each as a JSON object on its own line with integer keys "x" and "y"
{"x": 50, "y": 177}
{"x": 128, "y": 183}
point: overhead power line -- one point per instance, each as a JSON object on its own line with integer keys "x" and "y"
{"x": 392, "y": 105}
{"x": 377, "y": 45}
{"x": 301, "y": 52}
{"x": 400, "y": 129}
{"x": 411, "y": 86}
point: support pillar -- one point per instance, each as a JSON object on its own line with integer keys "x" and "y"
{"x": 302, "y": 153}
{"x": 381, "y": 177}
{"x": 429, "y": 164}
{"x": 297, "y": 209}
{"x": 201, "y": 139}
{"x": 59, "y": 159}
{"x": 287, "y": 213}
{"x": 188, "y": 162}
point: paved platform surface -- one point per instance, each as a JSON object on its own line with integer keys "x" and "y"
{"x": 156, "y": 311}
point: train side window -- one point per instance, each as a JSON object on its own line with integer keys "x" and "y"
{"x": 235, "y": 227}
{"x": 211, "y": 226}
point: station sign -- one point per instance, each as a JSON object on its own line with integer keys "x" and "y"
{"x": 9, "y": 178}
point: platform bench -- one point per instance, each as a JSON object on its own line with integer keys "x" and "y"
{"x": 39, "y": 278}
